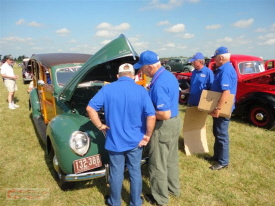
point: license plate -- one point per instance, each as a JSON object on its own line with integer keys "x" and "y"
{"x": 87, "y": 163}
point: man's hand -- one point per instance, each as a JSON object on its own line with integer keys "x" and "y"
{"x": 144, "y": 141}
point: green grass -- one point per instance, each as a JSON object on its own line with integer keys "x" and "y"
{"x": 249, "y": 179}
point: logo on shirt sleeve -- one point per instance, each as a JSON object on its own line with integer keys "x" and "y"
{"x": 160, "y": 105}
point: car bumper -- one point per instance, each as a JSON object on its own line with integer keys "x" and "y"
{"x": 85, "y": 176}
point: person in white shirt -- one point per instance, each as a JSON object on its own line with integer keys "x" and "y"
{"x": 10, "y": 80}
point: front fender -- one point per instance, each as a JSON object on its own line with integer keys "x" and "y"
{"x": 59, "y": 131}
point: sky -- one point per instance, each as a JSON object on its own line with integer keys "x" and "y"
{"x": 171, "y": 28}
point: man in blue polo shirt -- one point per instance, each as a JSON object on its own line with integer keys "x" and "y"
{"x": 130, "y": 121}
{"x": 202, "y": 78}
{"x": 163, "y": 146}
{"x": 225, "y": 81}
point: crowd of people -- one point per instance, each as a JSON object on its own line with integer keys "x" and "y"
{"x": 154, "y": 123}
{"x": 141, "y": 119}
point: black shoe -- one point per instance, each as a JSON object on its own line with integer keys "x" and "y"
{"x": 217, "y": 166}
{"x": 106, "y": 197}
{"x": 150, "y": 198}
{"x": 210, "y": 158}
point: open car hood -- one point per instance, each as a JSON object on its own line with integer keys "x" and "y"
{"x": 119, "y": 50}
{"x": 254, "y": 76}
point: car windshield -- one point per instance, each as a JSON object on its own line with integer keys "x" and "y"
{"x": 64, "y": 74}
{"x": 251, "y": 67}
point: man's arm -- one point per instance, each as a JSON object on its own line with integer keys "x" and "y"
{"x": 150, "y": 125}
{"x": 221, "y": 102}
{"x": 95, "y": 118}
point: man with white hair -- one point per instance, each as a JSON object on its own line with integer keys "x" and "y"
{"x": 225, "y": 81}
{"x": 130, "y": 121}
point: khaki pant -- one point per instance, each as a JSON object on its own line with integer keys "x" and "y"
{"x": 163, "y": 160}
{"x": 10, "y": 85}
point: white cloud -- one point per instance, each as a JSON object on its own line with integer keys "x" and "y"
{"x": 106, "y": 33}
{"x": 170, "y": 45}
{"x": 104, "y": 25}
{"x": 267, "y": 36}
{"x": 261, "y": 30}
{"x": 186, "y": 36}
{"x": 72, "y": 41}
{"x": 122, "y": 27}
{"x": 243, "y": 23}
{"x": 20, "y": 21}
{"x": 268, "y": 42}
{"x": 35, "y": 24}
{"x": 107, "y": 30}
{"x": 163, "y": 23}
{"x": 156, "y": 4}
{"x": 226, "y": 39}
{"x": 214, "y": 26}
{"x": 16, "y": 39}
{"x": 105, "y": 42}
{"x": 272, "y": 27}
{"x": 176, "y": 28}
{"x": 63, "y": 32}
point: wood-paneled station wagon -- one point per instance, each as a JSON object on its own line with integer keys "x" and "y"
{"x": 63, "y": 86}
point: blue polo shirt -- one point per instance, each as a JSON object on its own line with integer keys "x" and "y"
{"x": 164, "y": 91}
{"x": 200, "y": 80}
{"x": 126, "y": 106}
{"x": 225, "y": 79}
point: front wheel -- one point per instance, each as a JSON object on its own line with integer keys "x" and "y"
{"x": 261, "y": 116}
{"x": 59, "y": 174}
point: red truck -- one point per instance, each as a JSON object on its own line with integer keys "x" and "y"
{"x": 255, "y": 98}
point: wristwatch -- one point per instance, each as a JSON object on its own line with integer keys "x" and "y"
{"x": 217, "y": 108}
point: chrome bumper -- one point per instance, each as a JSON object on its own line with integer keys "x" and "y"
{"x": 85, "y": 176}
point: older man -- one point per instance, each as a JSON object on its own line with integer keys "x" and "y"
{"x": 163, "y": 146}
{"x": 9, "y": 80}
{"x": 202, "y": 78}
{"x": 130, "y": 121}
{"x": 225, "y": 81}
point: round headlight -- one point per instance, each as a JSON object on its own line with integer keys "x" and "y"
{"x": 80, "y": 142}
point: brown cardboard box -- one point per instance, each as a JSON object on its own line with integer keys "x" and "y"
{"x": 209, "y": 100}
{"x": 194, "y": 131}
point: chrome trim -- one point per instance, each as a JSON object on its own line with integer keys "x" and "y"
{"x": 85, "y": 176}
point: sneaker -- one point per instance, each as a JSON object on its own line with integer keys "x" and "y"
{"x": 15, "y": 105}
{"x": 11, "y": 107}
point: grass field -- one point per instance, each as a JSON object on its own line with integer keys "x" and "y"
{"x": 249, "y": 179}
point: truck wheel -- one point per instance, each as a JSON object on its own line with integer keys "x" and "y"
{"x": 186, "y": 70}
{"x": 261, "y": 116}
{"x": 184, "y": 85}
{"x": 183, "y": 97}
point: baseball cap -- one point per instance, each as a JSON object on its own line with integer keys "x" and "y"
{"x": 221, "y": 50}
{"x": 126, "y": 68}
{"x": 146, "y": 58}
{"x": 9, "y": 57}
{"x": 196, "y": 56}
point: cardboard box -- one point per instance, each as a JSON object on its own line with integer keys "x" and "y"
{"x": 209, "y": 100}
{"x": 194, "y": 131}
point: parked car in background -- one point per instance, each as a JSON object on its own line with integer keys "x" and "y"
{"x": 255, "y": 98}
{"x": 74, "y": 144}
{"x": 179, "y": 65}
{"x": 26, "y": 72}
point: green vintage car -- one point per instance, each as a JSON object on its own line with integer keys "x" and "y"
{"x": 63, "y": 86}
